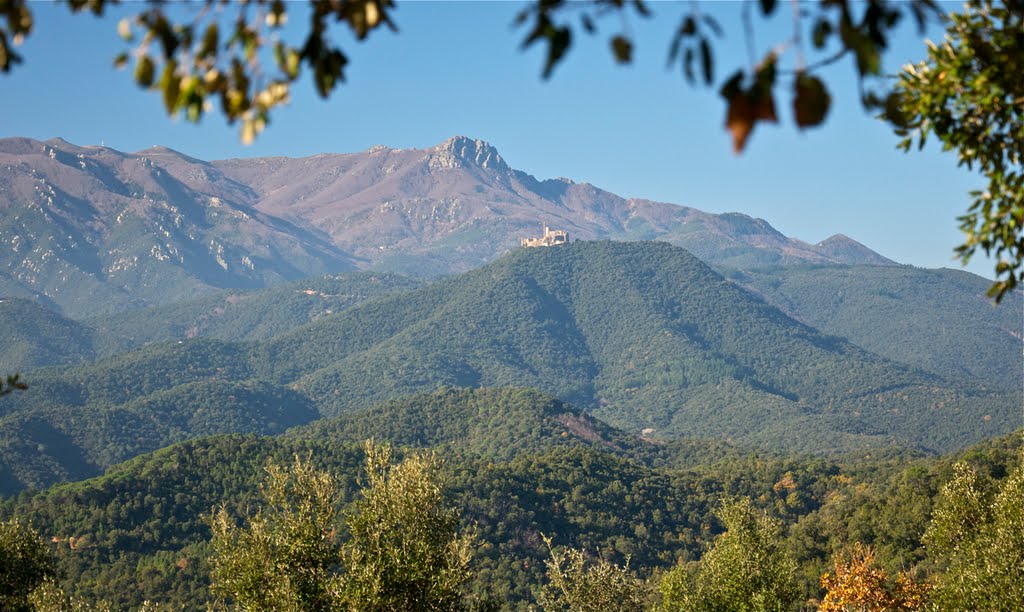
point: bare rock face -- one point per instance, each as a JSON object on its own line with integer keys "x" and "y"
{"x": 92, "y": 229}
{"x": 459, "y": 152}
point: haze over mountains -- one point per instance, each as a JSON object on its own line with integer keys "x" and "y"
{"x": 92, "y": 230}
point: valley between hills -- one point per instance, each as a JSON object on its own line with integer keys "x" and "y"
{"x": 180, "y": 323}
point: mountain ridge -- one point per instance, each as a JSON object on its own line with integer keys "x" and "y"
{"x": 94, "y": 230}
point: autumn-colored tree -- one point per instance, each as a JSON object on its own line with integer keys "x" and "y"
{"x": 857, "y": 583}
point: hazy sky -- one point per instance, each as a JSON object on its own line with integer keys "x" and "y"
{"x": 456, "y": 68}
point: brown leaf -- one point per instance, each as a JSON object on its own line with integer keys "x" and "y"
{"x": 740, "y": 120}
{"x": 764, "y": 109}
{"x": 622, "y": 48}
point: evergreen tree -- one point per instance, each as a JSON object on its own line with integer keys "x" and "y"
{"x": 977, "y": 536}
{"x": 404, "y": 551}
{"x": 745, "y": 569}
{"x": 25, "y": 563}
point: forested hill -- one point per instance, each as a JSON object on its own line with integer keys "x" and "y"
{"x": 139, "y": 532}
{"x": 641, "y": 335}
{"x": 941, "y": 321}
{"x": 647, "y": 337}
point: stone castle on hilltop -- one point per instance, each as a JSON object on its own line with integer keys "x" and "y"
{"x": 550, "y": 238}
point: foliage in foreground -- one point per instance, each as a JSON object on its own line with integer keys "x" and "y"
{"x": 969, "y": 94}
{"x": 858, "y": 583}
{"x": 286, "y": 558}
{"x": 403, "y": 551}
{"x": 582, "y": 585}
{"x": 135, "y": 534}
{"x": 977, "y": 534}
{"x": 25, "y": 563}
{"x": 746, "y": 569}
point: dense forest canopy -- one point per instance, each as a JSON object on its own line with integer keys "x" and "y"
{"x": 141, "y": 531}
{"x": 641, "y": 335}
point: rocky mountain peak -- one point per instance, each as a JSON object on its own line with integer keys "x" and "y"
{"x": 460, "y": 152}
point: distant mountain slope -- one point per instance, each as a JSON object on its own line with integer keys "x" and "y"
{"x": 37, "y": 336}
{"x": 95, "y": 231}
{"x": 84, "y": 420}
{"x": 497, "y": 423}
{"x": 246, "y": 315}
{"x": 34, "y": 335}
{"x": 459, "y": 204}
{"x": 937, "y": 320}
{"x": 847, "y": 250}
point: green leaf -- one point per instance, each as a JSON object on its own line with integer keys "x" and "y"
{"x": 211, "y": 38}
{"x": 559, "y": 41}
{"x": 170, "y": 84}
{"x": 706, "y": 61}
{"x": 144, "y": 71}
{"x": 819, "y": 35}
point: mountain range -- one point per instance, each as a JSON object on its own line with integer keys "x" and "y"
{"x": 91, "y": 230}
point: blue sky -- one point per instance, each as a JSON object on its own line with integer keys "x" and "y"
{"x": 456, "y": 68}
